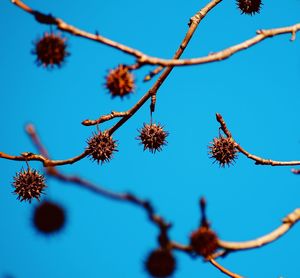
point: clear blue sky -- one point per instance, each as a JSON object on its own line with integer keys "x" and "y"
{"x": 257, "y": 92}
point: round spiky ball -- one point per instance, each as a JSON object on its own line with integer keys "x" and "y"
{"x": 153, "y": 137}
{"x": 204, "y": 241}
{"x": 120, "y": 82}
{"x": 48, "y": 217}
{"x": 223, "y": 150}
{"x": 50, "y": 50}
{"x": 249, "y": 6}
{"x": 29, "y": 184}
{"x": 160, "y": 263}
{"x": 101, "y": 147}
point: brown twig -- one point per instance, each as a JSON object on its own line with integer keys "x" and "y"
{"x": 27, "y": 156}
{"x": 163, "y": 226}
{"x": 194, "y": 22}
{"x": 258, "y": 160}
{"x": 223, "y": 269}
{"x": 104, "y": 118}
{"x": 146, "y": 59}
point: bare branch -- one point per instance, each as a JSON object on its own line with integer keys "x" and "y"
{"x": 146, "y": 59}
{"x": 104, "y": 118}
{"x": 226, "y": 53}
{"x": 27, "y": 156}
{"x": 258, "y": 160}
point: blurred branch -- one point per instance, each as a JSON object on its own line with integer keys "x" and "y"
{"x": 258, "y": 160}
{"x": 296, "y": 171}
{"x": 287, "y": 224}
{"x": 105, "y": 118}
{"x": 223, "y": 269}
{"x": 126, "y": 197}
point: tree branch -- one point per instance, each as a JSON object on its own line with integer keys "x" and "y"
{"x": 223, "y": 269}
{"x": 194, "y": 22}
{"x": 258, "y": 160}
{"x": 27, "y": 156}
{"x": 146, "y": 59}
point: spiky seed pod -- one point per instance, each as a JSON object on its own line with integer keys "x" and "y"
{"x": 29, "y": 184}
{"x": 101, "y": 147}
{"x": 50, "y": 50}
{"x": 153, "y": 137}
{"x": 249, "y": 6}
{"x": 204, "y": 241}
{"x": 48, "y": 217}
{"x": 223, "y": 150}
{"x": 119, "y": 81}
{"x": 160, "y": 263}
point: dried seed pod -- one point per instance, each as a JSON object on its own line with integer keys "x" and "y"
{"x": 223, "y": 150}
{"x": 120, "y": 81}
{"x": 29, "y": 184}
{"x": 48, "y": 217}
{"x": 153, "y": 137}
{"x": 160, "y": 263}
{"x": 204, "y": 241}
{"x": 50, "y": 50}
{"x": 101, "y": 147}
{"x": 249, "y": 6}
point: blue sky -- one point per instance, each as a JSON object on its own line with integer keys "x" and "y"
{"x": 257, "y": 92}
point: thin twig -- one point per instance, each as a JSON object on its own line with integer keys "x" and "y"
{"x": 223, "y": 269}
{"x": 258, "y": 160}
{"x": 104, "y": 118}
{"x": 28, "y": 156}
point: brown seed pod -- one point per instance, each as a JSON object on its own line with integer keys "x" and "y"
{"x": 48, "y": 217}
{"x": 120, "y": 82}
{"x": 50, "y": 50}
{"x": 29, "y": 184}
{"x": 223, "y": 150}
{"x": 101, "y": 147}
{"x": 160, "y": 263}
{"x": 153, "y": 137}
{"x": 249, "y": 6}
{"x": 204, "y": 241}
